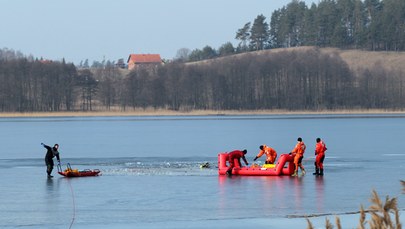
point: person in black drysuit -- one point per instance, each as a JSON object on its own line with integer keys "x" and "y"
{"x": 50, "y": 154}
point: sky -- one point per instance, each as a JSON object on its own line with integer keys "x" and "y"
{"x": 98, "y": 30}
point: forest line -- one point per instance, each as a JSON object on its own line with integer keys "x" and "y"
{"x": 304, "y": 79}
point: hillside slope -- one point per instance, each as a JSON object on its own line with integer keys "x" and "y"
{"x": 361, "y": 59}
{"x": 356, "y": 59}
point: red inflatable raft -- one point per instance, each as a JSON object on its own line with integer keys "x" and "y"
{"x": 284, "y": 166}
{"x": 69, "y": 172}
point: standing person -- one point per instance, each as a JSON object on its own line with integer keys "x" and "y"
{"x": 236, "y": 154}
{"x": 50, "y": 154}
{"x": 298, "y": 153}
{"x": 320, "y": 149}
{"x": 271, "y": 154}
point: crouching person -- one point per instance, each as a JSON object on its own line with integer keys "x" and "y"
{"x": 236, "y": 154}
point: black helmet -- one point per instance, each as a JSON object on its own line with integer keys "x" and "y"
{"x": 318, "y": 140}
{"x": 261, "y": 147}
{"x": 244, "y": 151}
{"x": 299, "y": 139}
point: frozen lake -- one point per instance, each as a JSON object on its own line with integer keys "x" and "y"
{"x": 152, "y": 179}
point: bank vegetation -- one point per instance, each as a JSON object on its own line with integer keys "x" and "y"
{"x": 295, "y": 79}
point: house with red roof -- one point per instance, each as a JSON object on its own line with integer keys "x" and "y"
{"x": 143, "y": 60}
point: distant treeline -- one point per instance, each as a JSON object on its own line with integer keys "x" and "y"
{"x": 306, "y": 79}
{"x": 35, "y": 86}
{"x": 360, "y": 24}
{"x": 292, "y": 80}
{"x": 373, "y": 25}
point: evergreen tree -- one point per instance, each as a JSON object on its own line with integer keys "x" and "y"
{"x": 243, "y": 35}
{"x": 293, "y": 23}
{"x": 344, "y": 30}
{"x": 196, "y": 55}
{"x": 208, "y": 53}
{"x": 359, "y": 15}
{"x": 373, "y": 10}
{"x": 275, "y": 30}
{"x": 259, "y": 33}
{"x": 226, "y": 49}
{"x": 326, "y": 21}
{"x": 310, "y": 30}
{"x": 393, "y": 19}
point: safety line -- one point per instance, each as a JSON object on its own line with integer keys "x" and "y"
{"x": 74, "y": 204}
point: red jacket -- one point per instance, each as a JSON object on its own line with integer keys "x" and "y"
{"x": 236, "y": 154}
{"x": 299, "y": 149}
{"x": 320, "y": 148}
{"x": 271, "y": 154}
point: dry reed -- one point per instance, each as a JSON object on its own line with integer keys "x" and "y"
{"x": 310, "y": 226}
{"x": 328, "y": 224}
{"x": 380, "y": 211}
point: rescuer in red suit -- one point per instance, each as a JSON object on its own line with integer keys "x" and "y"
{"x": 236, "y": 154}
{"x": 271, "y": 154}
{"x": 320, "y": 149}
{"x": 298, "y": 154}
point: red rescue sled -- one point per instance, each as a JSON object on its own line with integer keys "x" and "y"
{"x": 284, "y": 166}
{"x": 69, "y": 172}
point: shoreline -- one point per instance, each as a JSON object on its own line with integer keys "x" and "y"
{"x": 163, "y": 112}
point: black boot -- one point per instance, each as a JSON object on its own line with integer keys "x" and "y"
{"x": 229, "y": 173}
{"x": 321, "y": 173}
{"x": 316, "y": 171}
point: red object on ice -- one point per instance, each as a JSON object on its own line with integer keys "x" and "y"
{"x": 83, "y": 173}
{"x": 284, "y": 166}
{"x": 69, "y": 172}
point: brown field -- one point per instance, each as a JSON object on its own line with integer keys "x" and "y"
{"x": 356, "y": 59}
{"x": 366, "y": 59}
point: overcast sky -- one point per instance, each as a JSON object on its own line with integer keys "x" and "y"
{"x": 96, "y": 29}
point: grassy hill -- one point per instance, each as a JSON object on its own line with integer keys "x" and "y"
{"x": 366, "y": 59}
{"x": 356, "y": 59}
